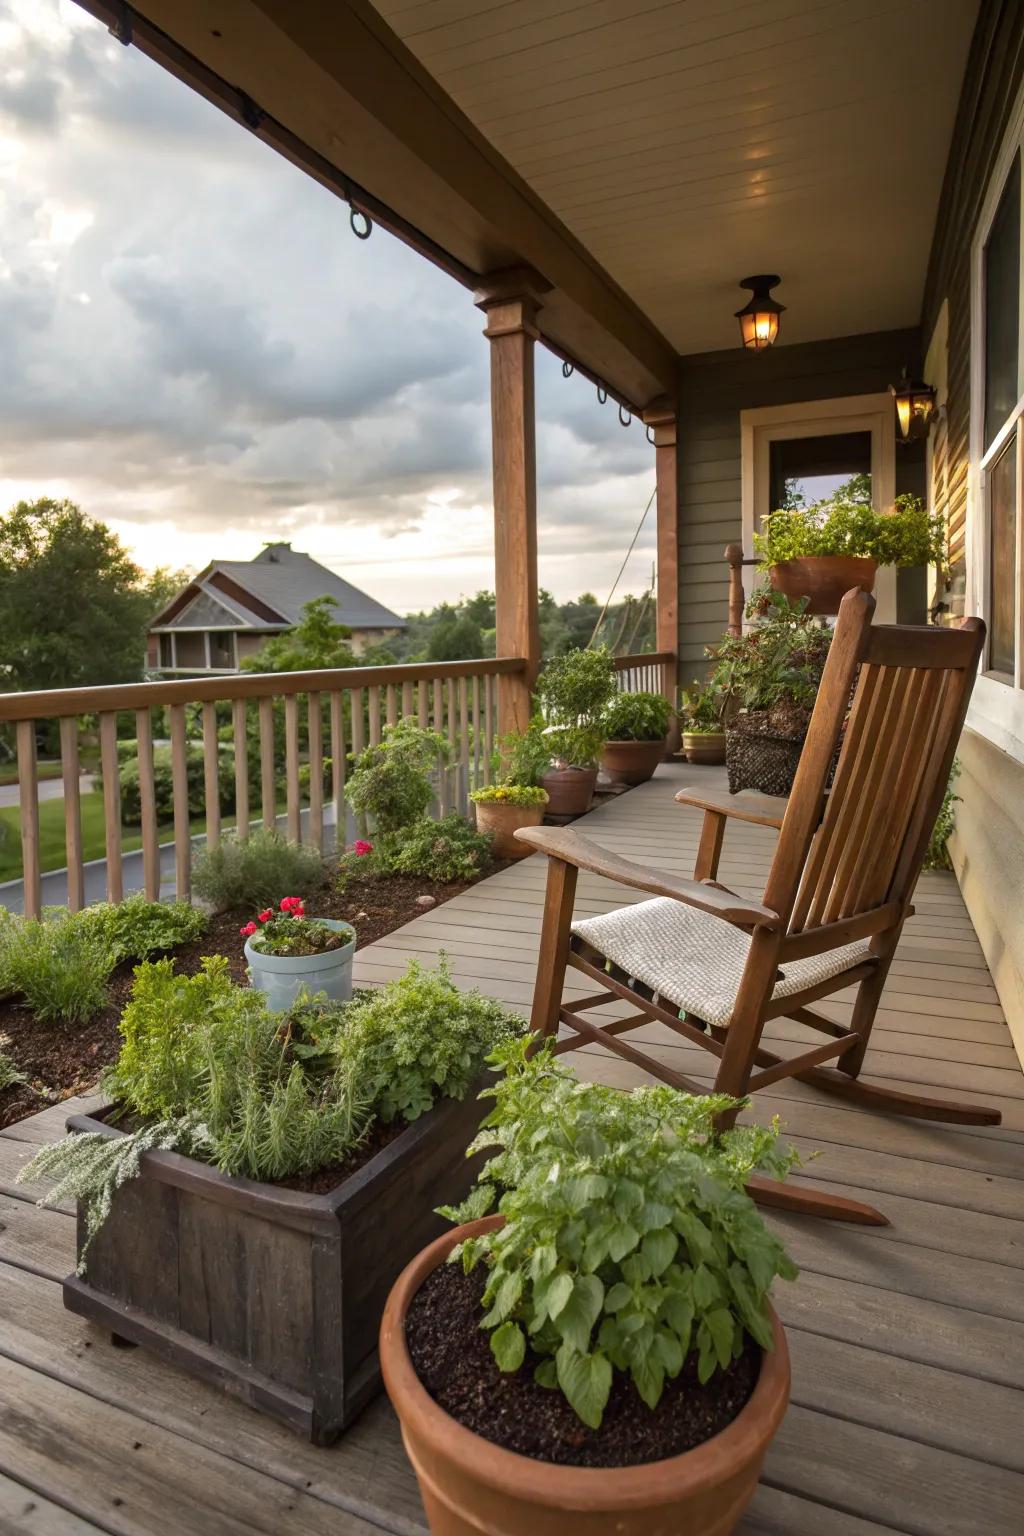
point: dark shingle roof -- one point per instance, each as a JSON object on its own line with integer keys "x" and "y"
{"x": 286, "y": 580}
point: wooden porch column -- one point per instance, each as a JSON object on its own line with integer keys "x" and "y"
{"x": 660, "y": 416}
{"x": 510, "y": 301}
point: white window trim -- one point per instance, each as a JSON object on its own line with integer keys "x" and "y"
{"x": 997, "y": 705}
{"x": 762, "y": 426}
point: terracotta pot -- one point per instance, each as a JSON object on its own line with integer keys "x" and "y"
{"x": 825, "y": 579}
{"x": 704, "y": 746}
{"x": 632, "y": 762}
{"x": 570, "y": 790}
{"x": 503, "y": 821}
{"x": 470, "y": 1486}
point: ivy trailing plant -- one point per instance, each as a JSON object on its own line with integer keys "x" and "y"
{"x": 628, "y": 1238}
{"x": 637, "y": 717}
{"x": 845, "y": 524}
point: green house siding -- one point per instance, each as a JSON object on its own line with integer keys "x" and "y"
{"x": 713, "y": 389}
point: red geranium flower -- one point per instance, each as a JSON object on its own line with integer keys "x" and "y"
{"x": 362, "y": 847}
{"x": 249, "y": 928}
{"x": 288, "y": 903}
{"x": 266, "y": 915}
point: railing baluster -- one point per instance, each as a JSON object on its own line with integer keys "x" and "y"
{"x": 488, "y": 728}
{"x": 477, "y": 731}
{"x": 211, "y": 774}
{"x": 268, "y": 789}
{"x": 338, "y": 767}
{"x": 179, "y": 782}
{"x": 373, "y": 705}
{"x": 111, "y": 804}
{"x": 291, "y": 767}
{"x": 463, "y": 789}
{"x": 442, "y": 770}
{"x": 391, "y": 693}
{"x": 452, "y": 793}
{"x": 28, "y": 794}
{"x": 147, "y": 798}
{"x": 356, "y": 721}
{"x": 316, "y": 772}
{"x": 407, "y": 701}
{"x": 241, "y": 741}
{"x": 422, "y": 705}
{"x": 70, "y": 774}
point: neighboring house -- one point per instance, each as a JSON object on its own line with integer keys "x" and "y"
{"x": 228, "y": 611}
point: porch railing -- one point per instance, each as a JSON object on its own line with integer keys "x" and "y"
{"x": 458, "y": 699}
{"x": 648, "y": 672}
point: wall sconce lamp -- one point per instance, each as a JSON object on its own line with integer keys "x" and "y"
{"x": 915, "y": 407}
{"x": 759, "y": 319}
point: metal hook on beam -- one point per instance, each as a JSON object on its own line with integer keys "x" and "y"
{"x": 625, "y": 416}
{"x": 650, "y": 435}
{"x": 361, "y": 231}
{"x": 567, "y": 370}
{"x": 121, "y": 26}
{"x": 602, "y": 394}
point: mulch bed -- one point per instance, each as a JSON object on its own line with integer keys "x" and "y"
{"x": 452, "y": 1357}
{"x": 64, "y": 1060}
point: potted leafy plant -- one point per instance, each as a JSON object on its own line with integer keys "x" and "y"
{"x": 516, "y": 798}
{"x": 245, "y": 1201}
{"x": 703, "y": 735}
{"x": 768, "y": 678}
{"x": 636, "y": 731}
{"x": 289, "y": 953}
{"x": 601, "y": 1355}
{"x": 573, "y": 692}
{"x": 821, "y": 551}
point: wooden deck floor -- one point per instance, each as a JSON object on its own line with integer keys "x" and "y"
{"x": 907, "y": 1342}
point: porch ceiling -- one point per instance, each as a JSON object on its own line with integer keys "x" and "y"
{"x": 687, "y": 143}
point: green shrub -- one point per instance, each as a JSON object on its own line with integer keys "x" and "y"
{"x": 574, "y": 691}
{"x": 135, "y": 928}
{"x": 256, "y": 872}
{"x": 60, "y": 966}
{"x": 522, "y": 757}
{"x": 842, "y": 525}
{"x": 937, "y": 856}
{"x": 628, "y": 1239}
{"x": 163, "y": 784}
{"x": 637, "y": 717}
{"x": 390, "y": 781}
{"x": 779, "y": 660}
{"x": 444, "y": 851}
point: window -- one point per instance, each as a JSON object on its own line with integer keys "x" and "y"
{"x": 167, "y": 650}
{"x": 803, "y": 470}
{"x": 1000, "y": 412}
{"x": 222, "y": 648}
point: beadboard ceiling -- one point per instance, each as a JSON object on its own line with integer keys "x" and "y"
{"x": 688, "y": 143}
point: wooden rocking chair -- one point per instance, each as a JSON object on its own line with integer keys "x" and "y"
{"x": 715, "y": 967}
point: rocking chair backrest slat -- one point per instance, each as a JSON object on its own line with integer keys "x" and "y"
{"x": 910, "y": 688}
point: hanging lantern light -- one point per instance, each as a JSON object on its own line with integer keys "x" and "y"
{"x": 915, "y": 407}
{"x": 759, "y": 319}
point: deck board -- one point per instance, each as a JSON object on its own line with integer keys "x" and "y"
{"x": 907, "y": 1341}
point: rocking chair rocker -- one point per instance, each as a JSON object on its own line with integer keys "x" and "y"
{"x": 714, "y": 967}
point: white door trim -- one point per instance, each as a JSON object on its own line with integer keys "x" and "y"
{"x": 763, "y": 425}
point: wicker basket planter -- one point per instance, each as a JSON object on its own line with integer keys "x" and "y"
{"x": 762, "y": 751}
{"x": 272, "y": 1295}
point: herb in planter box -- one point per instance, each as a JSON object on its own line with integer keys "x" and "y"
{"x": 627, "y": 1271}
{"x": 189, "y": 1240}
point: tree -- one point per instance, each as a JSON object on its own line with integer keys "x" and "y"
{"x": 73, "y": 604}
{"x": 163, "y": 584}
{"x": 455, "y": 639}
{"x": 317, "y": 640}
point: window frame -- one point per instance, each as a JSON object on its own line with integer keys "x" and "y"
{"x": 997, "y": 706}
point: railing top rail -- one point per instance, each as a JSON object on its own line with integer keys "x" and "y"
{"x": 644, "y": 659}
{"x": 53, "y": 703}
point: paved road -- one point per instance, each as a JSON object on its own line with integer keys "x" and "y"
{"x": 49, "y": 789}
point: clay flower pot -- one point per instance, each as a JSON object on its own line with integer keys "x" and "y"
{"x": 632, "y": 762}
{"x": 570, "y": 790}
{"x": 704, "y": 746}
{"x": 469, "y": 1485}
{"x": 824, "y": 579}
{"x": 503, "y": 821}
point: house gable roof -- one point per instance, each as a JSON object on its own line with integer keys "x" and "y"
{"x": 279, "y": 581}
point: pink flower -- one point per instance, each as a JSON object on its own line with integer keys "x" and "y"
{"x": 266, "y": 915}
{"x": 362, "y": 847}
{"x": 249, "y": 928}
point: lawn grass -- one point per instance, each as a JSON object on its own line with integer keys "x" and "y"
{"x": 9, "y": 773}
{"x": 52, "y": 847}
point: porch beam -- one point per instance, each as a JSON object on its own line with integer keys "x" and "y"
{"x": 511, "y": 301}
{"x": 328, "y": 85}
{"x": 660, "y": 417}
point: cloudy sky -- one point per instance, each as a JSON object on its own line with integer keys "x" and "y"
{"x": 196, "y": 349}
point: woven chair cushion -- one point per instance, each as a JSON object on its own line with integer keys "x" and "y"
{"x": 695, "y": 960}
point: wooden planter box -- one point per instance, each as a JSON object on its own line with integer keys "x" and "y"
{"x": 269, "y": 1294}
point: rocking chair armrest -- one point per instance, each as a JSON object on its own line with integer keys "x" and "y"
{"x": 573, "y": 848}
{"x": 747, "y": 805}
